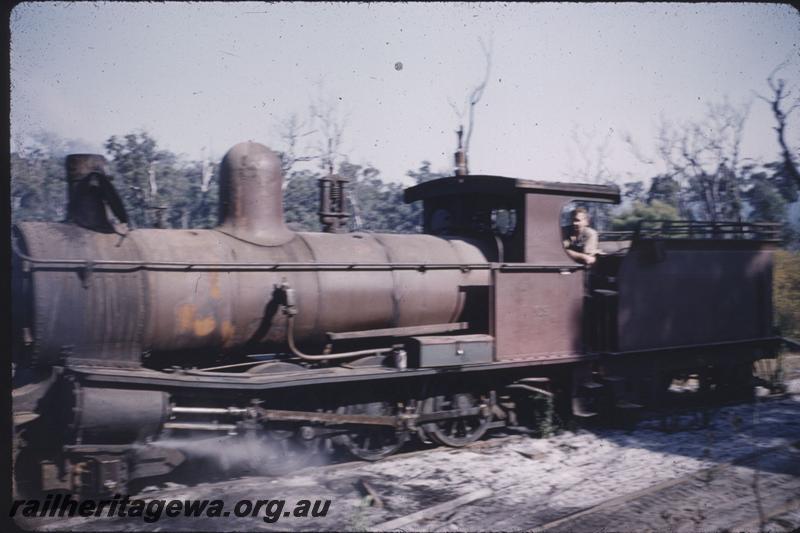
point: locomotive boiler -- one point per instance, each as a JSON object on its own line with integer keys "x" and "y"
{"x": 308, "y": 341}
{"x": 160, "y": 291}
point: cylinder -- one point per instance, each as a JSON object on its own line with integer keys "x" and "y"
{"x": 110, "y": 415}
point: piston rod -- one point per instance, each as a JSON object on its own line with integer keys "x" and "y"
{"x": 232, "y": 411}
{"x": 200, "y": 426}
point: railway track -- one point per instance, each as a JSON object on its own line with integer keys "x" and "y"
{"x": 741, "y": 495}
{"x": 744, "y": 493}
{"x": 749, "y": 492}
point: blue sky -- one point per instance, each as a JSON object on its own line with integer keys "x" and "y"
{"x": 201, "y": 77}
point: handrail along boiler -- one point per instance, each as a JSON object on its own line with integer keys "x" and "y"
{"x": 362, "y": 340}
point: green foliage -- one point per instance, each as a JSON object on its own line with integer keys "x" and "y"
{"x": 786, "y": 293}
{"x": 655, "y": 210}
{"x": 377, "y": 205}
{"x": 782, "y": 174}
{"x": 187, "y": 205}
{"x": 716, "y": 196}
{"x": 601, "y": 215}
{"x": 634, "y": 191}
{"x": 665, "y": 189}
{"x": 765, "y": 199}
{"x": 301, "y": 201}
{"x": 763, "y": 193}
{"x": 424, "y": 173}
{"x": 157, "y": 188}
{"x": 769, "y": 196}
{"x": 160, "y": 189}
{"x": 38, "y": 186}
{"x": 132, "y": 156}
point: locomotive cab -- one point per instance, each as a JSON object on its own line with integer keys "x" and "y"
{"x": 516, "y": 217}
{"x": 536, "y": 292}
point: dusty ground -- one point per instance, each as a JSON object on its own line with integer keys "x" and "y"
{"x": 532, "y": 481}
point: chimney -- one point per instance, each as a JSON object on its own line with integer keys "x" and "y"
{"x": 461, "y": 156}
{"x": 88, "y": 192}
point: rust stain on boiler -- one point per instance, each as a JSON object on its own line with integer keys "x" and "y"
{"x": 204, "y": 326}
{"x": 185, "y": 317}
{"x": 227, "y": 331}
{"x": 216, "y": 293}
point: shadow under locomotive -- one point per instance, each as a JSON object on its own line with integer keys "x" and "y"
{"x": 129, "y": 344}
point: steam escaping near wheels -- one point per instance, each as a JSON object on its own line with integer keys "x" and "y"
{"x": 272, "y": 453}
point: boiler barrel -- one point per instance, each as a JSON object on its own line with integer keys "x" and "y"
{"x": 169, "y": 293}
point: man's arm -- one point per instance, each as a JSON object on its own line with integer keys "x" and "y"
{"x": 586, "y": 259}
{"x": 590, "y": 248}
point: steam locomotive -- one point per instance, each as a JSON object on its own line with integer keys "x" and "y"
{"x": 358, "y": 341}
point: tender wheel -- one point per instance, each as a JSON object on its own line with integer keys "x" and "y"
{"x": 653, "y": 389}
{"x": 735, "y": 381}
{"x": 372, "y": 443}
{"x": 460, "y": 431}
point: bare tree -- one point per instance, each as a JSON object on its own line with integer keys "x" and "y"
{"x": 704, "y": 157}
{"x": 668, "y": 154}
{"x": 292, "y": 131}
{"x": 473, "y": 98}
{"x": 709, "y": 156}
{"x": 206, "y": 172}
{"x": 636, "y": 151}
{"x": 592, "y": 154}
{"x": 317, "y": 137}
{"x": 667, "y": 139}
{"x": 329, "y": 123}
{"x": 779, "y": 99}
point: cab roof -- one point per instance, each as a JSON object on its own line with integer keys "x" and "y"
{"x": 504, "y": 186}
